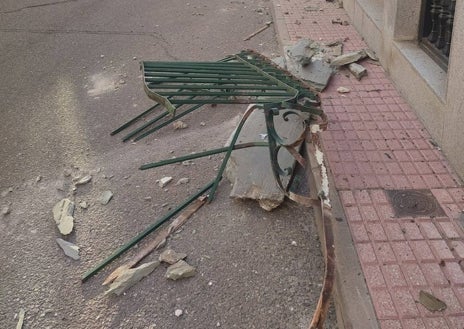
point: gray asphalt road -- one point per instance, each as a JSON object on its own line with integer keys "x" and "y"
{"x": 70, "y": 75}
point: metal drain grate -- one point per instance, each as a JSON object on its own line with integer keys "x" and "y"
{"x": 414, "y": 203}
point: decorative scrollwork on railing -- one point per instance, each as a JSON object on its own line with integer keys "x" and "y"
{"x": 277, "y": 143}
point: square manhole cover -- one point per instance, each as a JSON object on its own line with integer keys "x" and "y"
{"x": 414, "y": 203}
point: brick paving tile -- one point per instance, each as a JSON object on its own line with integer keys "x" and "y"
{"x": 390, "y": 324}
{"x": 404, "y": 302}
{"x": 434, "y": 274}
{"x": 394, "y": 276}
{"x": 434, "y": 323}
{"x": 422, "y": 251}
{"x": 454, "y": 273}
{"x": 374, "y": 276}
{"x": 383, "y": 303}
{"x": 450, "y": 230}
{"x": 458, "y": 248}
{"x": 414, "y": 274}
{"x": 456, "y": 322}
{"x": 412, "y": 231}
{"x": 441, "y": 249}
{"x": 394, "y": 231}
{"x": 429, "y": 230}
{"x": 413, "y": 323}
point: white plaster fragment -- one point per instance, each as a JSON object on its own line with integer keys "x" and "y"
{"x": 325, "y": 179}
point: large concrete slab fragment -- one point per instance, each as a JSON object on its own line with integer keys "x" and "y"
{"x": 249, "y": 170}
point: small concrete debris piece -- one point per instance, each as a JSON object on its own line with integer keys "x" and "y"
{"x": 183, "y": 180}
{"x": 357, "y": 70}
{"x": 430, "y": 302}
{"x": 63, "y": 213}
{"x": 343, "y": 90}
{"x": 371, "y": 54}
{"x": 312, "y": 8}
{"x": 6, "y": 210}
{"x": 83, "y": 204}
{"x": 105, "y": 197}
{"x": 6, "y": 192}
{"x": 179, "y": 125}
{"x": 130, "y": 277}
{"x": 348, "y": 58}
{"x": 164, "y": 181}
{"x": 180, "y": 270}
{"x": 83, "y": 180}
{"x": 21, "y": 315}
{"x": 178, "y": 312}
{"x": 334, "y": 50}
{"x": 171, "y": 257}
{"x": 339, "y": 21}
{"x": 70, "y": 249}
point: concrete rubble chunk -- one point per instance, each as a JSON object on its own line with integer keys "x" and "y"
{"x": 335, "y": 50}
{"x": 183, "y": 180}
{"x": 105, "y": 197}
{"x": 348, "y": 58}
{"x": 63, "y": 213}
{"x": 179, "y": 125}
{"x": 357, "y": 70}
{"x": 6, "y": 210}
{"x": 171, "y": 257}
{"x": 371, "y": 54}
{"x": 70, "y": 249}
{"x": 305, "y": 60}
{"x": 249, "y": 170}
{"x": 83, "y": 180}
{"x": 83, "y": 204}
{"x": 312, "y": 8}
{"x": 343, "y": 90}
{"x": 164, "y": 181}
{"x": 130, "y": 277}
{"x": 301, "y": 52}
{"x": 178, "y": 312}
{"x": 180, "y": 270}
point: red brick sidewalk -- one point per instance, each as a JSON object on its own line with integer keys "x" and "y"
{"x": 376, "y": 143}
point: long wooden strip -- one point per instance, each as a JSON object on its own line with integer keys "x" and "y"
{"x": 159, "y": 240}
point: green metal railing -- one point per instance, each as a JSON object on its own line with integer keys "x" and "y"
{"x": 246, "y": 78}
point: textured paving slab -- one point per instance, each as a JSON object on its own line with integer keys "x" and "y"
{"x": 376, "y": 143}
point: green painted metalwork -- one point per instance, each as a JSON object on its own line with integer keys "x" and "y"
{"x": 245, "y": 78}
{"x": 201, "y": 155}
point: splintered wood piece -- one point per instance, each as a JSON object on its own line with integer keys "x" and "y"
{"x": 159, "y": 240}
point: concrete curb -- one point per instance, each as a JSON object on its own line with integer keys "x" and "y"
{"x": 352, "y": 301}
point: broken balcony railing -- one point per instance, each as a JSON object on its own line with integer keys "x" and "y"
{"x": 179, "y": 88}
{"x": 246, "y": 78}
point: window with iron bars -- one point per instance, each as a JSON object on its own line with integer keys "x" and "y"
{"x": 436, "y": 29}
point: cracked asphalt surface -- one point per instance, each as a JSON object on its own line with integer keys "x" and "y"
{"x": 70, "y": 75}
